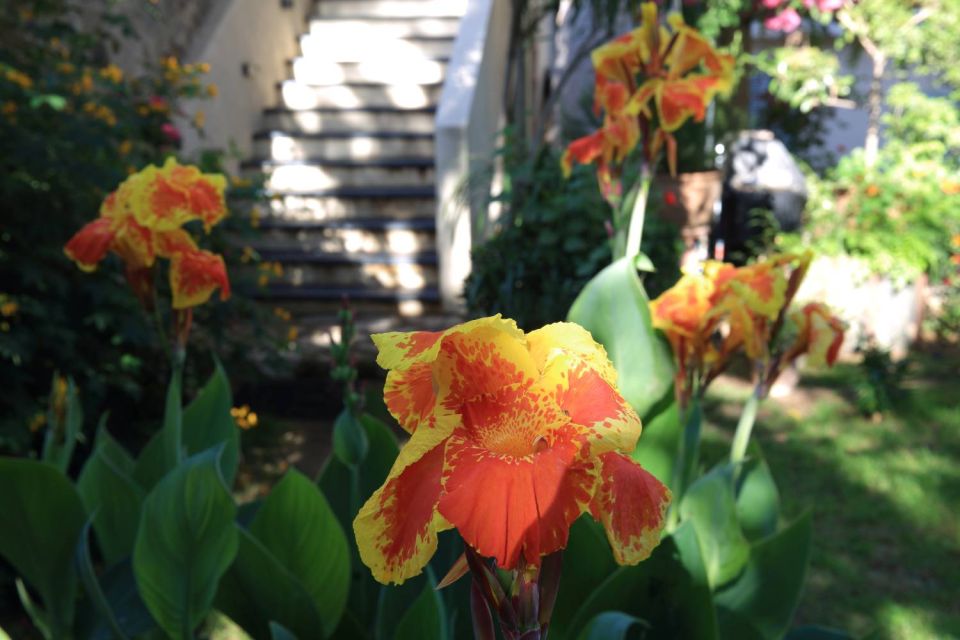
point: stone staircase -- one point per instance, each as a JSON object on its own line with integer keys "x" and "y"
{"x": 349, "y": 162}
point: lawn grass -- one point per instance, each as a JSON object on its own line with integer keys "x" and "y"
{"x": 885, "y": 495}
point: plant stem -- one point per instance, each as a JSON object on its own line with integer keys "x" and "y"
{"x": 741, "y": 437}
{"x": 688, "y": 454}
{"x": 638, "y": 214}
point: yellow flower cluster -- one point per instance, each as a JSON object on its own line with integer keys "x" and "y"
{"x": 100, "y": 112}
{"x": 18, "y": 78}
{"x": 113, "y": 73}
{"x": 282, "y": 313}
{"x": 199, "y": 119}
{"x": 268, "y": 269}
{"x": 83, "y": 85}
{"x": 244, "y": 417}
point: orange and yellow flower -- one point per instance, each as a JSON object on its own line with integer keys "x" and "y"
{"x": 819, "y": 337}
{"x": 142, "y": 220}
{"x": 675, "y": 70}
{"x": 512, "y": 437}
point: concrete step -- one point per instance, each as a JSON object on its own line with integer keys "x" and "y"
{"x": 359, "y": 45}
{"x": 360, "y": 120}
{"x": 344, "y": 31}
{"x": 300, "y": 96}
{"x": 397, "y": 70}
{"x": 283, "y": 147}
{"x": 304, "y": 268}
{"x": 315, "y": 330}
{"x": 321, "y": 304}
{"x": 356, "y": 236}
{"x": 391, "y": 8}
{"x": 319, "y": 207}
{"x": 308, "y": 176}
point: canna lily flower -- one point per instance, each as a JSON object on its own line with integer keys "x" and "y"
{"x": 141, "y": 221}
{"x": 512, "y": 437}
{"x": 820, "y": 335}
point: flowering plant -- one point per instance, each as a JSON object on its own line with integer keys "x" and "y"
{"x": 648, "y": 83}
{"x": 513, "y": 436}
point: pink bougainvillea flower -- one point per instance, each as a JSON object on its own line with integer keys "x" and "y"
{"x": 825, "y": 6}
{"x": 513, "y": 436}
{"x": 787, "y": 21}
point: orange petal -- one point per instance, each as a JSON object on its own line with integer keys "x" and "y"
{"x": 631, "y": 505}
{"x": 569, "y": 338}
{"x": 90, "y": 244}
{"x": 396, "y": 529}
{"x": 134, "y": 244}
{"x": 582, "y": 151}
{"x": 410, "y": 396}
{"x": 678, "y": 100}
{"x": 682, "y": 309}
{"x": 170, "y": 243}
{"x": 193, "y": 277}
{"x": 514, "y": 508}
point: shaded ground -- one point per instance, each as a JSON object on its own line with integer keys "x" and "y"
{"x": 885, "y": 494}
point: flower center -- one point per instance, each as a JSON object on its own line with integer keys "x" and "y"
{"x": 514, "y": 422}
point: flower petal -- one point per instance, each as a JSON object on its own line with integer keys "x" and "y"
{"x": 571, "y": 339}
{"x": 631, "y": 504}
{"x": 397, "y": 527}
{"x": 90, "y": 245}
{"x": 134, "y": 243}
{"x": 410, "y": 395}
{"x": 193, "y": 277}
{"x": 514, "y": 509}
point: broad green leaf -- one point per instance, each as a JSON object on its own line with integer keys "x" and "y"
{"x": 257, "y": 591}
{"x": 163, "y": 451}
{"x": 657, "y": 448}
{"x": 120, "y": 589}
{"x": 89, "y": 579}
{"x": 710, "y": 508}
{"x": 614, "y": 308}
{"x": 279, "y": 632}
{"x": 350, "y": 442}
{"x": 297, "y": 526}
{"x": 112, "y": 496}
{"x": 185, "y": 543}
{"x": 43, "y": 517}
{"x": 587, "y": 562}
{"x": 611, "y": 625}
{"x": 758, "y": 501}
{"x": 207, "y": 423}
{"x": 410, "y": 611}
{"x": 63, "y": 429}
{"x": 765, "y": 596}
{"x": 424, "y": 620}
{"x": 669, "y": 591}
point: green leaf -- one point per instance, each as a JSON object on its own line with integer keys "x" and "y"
{"x": 758, "y": 501}
{"x": 258, "y": 591}
{"x": 89, "y": 579}
{"x": 163, "y": 451}
{"x": 614, "y": 308}
{"x": 710, "y": 508}
{"x": 350, "y": 442}
{"x": 112, "y": 496}
{"x": 279, "y": 632}
{"x": 43, "y": 517}
{"x": 669, "y": 590}
{"x": 410, "y": 611}
{"x": 587, "y": 562}
{"x": 611, "y": 625}
{"x": 207, "y": 422}
{"x": 424, "y": 620}
{"x": 297, "y": 526}
{"x": 185, "y": 543}
{"x": 61, "y": 438}
{"x": 765, "y": 596}
{"x": 657, "y": 448}
{"x": 120, "y": 588}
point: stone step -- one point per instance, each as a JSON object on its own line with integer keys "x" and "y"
{"x": 323, "y": 303}
{"x": 305, "y": 268}
{"x": 344, "y": 31}
{"x": 283, "y": 147}
{"x": 300, "y": 96}
{"x": 318, "y": 207}
{"x": 357, "y": 236}
{"x": 359, "y": 45}
{"x": 397, "y": 70}
{"x": 391, "y": 8}
{"x": 308, "y": 176}
{"x": 359, "y": 120}
{"x": 315, "y": 330}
